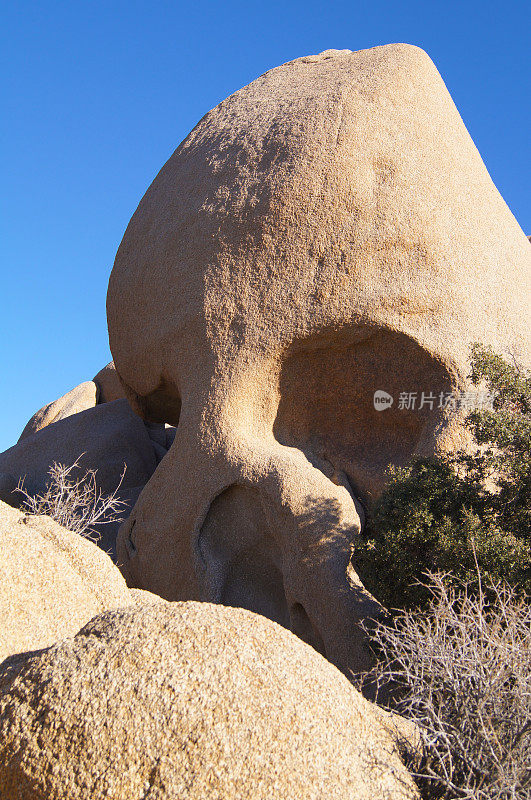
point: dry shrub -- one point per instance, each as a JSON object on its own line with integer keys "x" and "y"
{"x": 463, "y": 511}
{"x": 76, "y": 503}
{"x": 461, "y": 670}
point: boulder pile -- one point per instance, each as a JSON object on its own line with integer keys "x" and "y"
{"x": 325, "y": 237}
{"x": 94, "y": 425}
{"x": 52, "y": 582}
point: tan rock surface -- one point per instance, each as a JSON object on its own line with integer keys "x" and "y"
{"x": 324, "y": 233}
{"x": 108, "y": 384}
{"x": 52, "y": 582}
{"x": 190, "y": 701}
{"x": 103, "y": 438}
{"x": 142, "y": 598}
{"x": 78, "y": 399}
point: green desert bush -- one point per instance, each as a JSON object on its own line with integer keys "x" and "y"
{"x": 445, "y": 513}
{"x": 73, "y": 499}
{"x": 461, "y": 670}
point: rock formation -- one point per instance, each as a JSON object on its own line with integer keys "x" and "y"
{"x": 108, "y": 435}
{"x": 325, "y": 233}
{"x": 104, "y": 388}
{"x": 190, "y": 701}
{"x": 52, "y": 582}
{"x": 108, "y": 384}
{"x": 78, "y": 399}
{"x": 104, "y": 438}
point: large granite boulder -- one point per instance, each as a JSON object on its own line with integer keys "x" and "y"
{"x": 52, "y": 582}
{"x": 190, "y": 701}
{"x": 324, "y": 239}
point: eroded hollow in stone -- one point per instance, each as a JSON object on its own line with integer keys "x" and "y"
{"x": 327, "y": 410}
{"x": 301, "y": 624}
{"x": 163, "y": 404}
{"x": 242, "y": 556}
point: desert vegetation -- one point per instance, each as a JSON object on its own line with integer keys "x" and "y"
{"x": 73, "y": 499}
{"x": 448, "y": 550}
{"x": 460, "y": 669}
{"x": 467, "y": 514}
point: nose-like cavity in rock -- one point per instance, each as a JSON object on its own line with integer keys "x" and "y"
{"x": 288, "y": 558}
{"x": 265, "y": 530}
{"x": 244, "y": 560}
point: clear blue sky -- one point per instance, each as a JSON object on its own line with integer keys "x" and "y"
{"x": 97, "y": 95}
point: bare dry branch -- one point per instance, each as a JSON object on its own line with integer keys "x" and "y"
{"x": 462, "y": 671}
{"x": 76, "y": 503}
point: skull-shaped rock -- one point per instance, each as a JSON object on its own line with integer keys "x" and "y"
{"x": 326, "y": 233}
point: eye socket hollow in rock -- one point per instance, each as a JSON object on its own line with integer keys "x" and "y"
{"x": 327, "y": 386}
{"x": 163, "y": 404}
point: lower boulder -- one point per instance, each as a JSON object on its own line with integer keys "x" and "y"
{"x": 108, "y": 436}
{"x": 190, "y": 701}
{"x": 104, "y": 388}
{"x": 52, "y": 582}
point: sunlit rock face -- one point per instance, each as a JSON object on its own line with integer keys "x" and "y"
{"x": 192, "y": 701}
{"x": 325, "y": 233}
